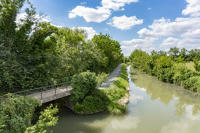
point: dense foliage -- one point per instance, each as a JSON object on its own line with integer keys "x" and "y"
{"x": 83, "y": 85}
{"x": 46, "y": 119}
{"x": 117, "y": 92}
{"x": 35, "y": 53}
{"x": 177, "y": 66}
{"x": 17, "y": 113}
{"x": 87, "y": 99}
{"x": 85, "y": 96}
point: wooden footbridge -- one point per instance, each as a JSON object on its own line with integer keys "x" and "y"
{"x": 47, "y": 93}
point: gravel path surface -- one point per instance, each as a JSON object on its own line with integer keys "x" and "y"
{"x": 112, "y": 77}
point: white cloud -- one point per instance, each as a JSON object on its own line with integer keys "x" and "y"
{"x": 89, "y": 31}
{"x": 193, "y": 8}
{"x": 98, "y": 15}
{"x": 165, "y": 33}
{"x": 145, "y": 44}
{"x": 170, "y": 41}
{"x": 116, "y": 4}
{"x": 124, "y": 22}
{"x": 166, "y": 27}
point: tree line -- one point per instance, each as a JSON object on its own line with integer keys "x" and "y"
{"x": 178, "y": 66}
{"x": 35, "y": 53}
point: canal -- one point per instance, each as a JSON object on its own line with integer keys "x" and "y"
{"x": 154, "y": 107}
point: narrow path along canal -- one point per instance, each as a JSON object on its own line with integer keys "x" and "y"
{"x": 155, "y": 107}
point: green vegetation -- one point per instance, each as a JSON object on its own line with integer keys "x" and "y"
{"x": 180, "y": 67}
{"x": 46, "y": 119}
{"x": 17, "y": 114}
{"x": 87, "y": 99}
{"x": 83, "y": 84}
{"x": 35, "y": 53}
{"x": 117, "y": 92}
{"x": 102, "y": 77}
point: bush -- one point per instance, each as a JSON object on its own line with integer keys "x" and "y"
{"x": 102, "y": 77}
{"x": 16, "y": 113}
{"x": 192, "y": 84}
{"x": 181, "y": 73}
{"x": 94, "y": 103}
{"x": 83, "y": 84}
{"x": 87, "y": 99}
{"x": 162, "y": 68}
{"x": 90, "y": 105}
{"x": 168, "y": 67}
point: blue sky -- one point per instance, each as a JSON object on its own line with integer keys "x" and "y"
{"x": 143, "y": 24}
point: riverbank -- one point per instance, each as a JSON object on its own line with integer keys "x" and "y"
{"x": 134, "y": 71}
{"x": 169, "y": 68}
{"x": 154, "y": 107}
{"x": 112, "y": 98}
{"x": 118, "y": 92}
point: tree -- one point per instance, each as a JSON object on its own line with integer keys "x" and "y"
{"x": 111, "y": 49}
{"x": 183, "y": 54}
{"x": 196, "y": 65}
{"x": 16, "y": 113}
{"x": 35, "y": 54}
{"x": 174, "y": 52}
{"x": 83, "y": 85}
{"x": 140, "y": 60}
{"x": 47, "y": 119}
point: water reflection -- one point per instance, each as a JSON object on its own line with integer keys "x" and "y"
{"x": 155, "y": 107}
{"x": 167, "y": 92}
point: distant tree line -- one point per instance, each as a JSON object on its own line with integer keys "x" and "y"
{"x": 178, "y": 66}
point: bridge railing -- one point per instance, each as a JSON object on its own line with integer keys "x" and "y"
{"x": 41, "y": 91}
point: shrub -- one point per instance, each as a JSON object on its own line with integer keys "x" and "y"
{"x": 92, "y": 104}
{"x": 88, "y": 100}
{"x": 193, "y": 84}
{"x": 102, "y": 77}
{"x": 181, "y": 73}
{"x": 83, "y": 84}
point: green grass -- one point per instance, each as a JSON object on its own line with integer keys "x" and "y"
{"x": 116, "y": 92}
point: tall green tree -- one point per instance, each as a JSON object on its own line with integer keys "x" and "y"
{"x": 16, "y": 113}
{"x": 110, "y": 48}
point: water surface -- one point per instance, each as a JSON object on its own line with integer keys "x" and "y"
{"x": 155, "y": 107}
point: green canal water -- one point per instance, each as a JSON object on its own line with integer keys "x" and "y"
{"x": 155, "y": 107}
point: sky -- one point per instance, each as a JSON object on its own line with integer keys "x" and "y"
{"x": 136, "y": 24}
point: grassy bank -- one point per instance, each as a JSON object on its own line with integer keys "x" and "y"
{"x": 117, "y": 93}
{"x": 167, "y": 69}
{"x": 89, "y": 100}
